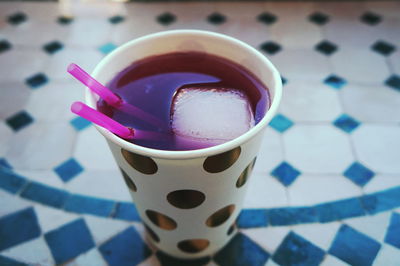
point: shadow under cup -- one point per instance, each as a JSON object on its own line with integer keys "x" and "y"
{"x": 189, "y": 200}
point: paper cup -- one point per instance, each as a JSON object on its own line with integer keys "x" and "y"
{"x": 189, "y": 200}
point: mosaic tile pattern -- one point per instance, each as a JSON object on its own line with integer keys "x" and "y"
{"x": 325, "y": 189}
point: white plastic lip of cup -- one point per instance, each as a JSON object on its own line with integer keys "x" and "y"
{"x": 275, "y": 89}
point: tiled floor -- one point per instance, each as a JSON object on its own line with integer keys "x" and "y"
{"x": 326, "y": 186}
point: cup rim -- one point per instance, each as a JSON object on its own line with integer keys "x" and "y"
{"x": 189, "y": 154}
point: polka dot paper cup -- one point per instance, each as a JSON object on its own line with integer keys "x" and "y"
{"x": 189, "y": 200}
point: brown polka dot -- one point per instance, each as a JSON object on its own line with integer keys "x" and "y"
{"x": 141, "y": 163}
{"x": 128, "y": 181}
{"x": 151, "y": 233}
{"x": 245, "y": 174}
{"x": 161, "y": 220}
{"x": 186, "y": 198}
{"x": 221, "y": 162}
{"x": 231, "y": 229}
{"x": 220, "y": 216}
{"x": 193, "y": 245}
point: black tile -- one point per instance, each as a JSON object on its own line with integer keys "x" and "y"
{"x": 335, "y": 81}
{"x": 271, "y": 47}
{"x": 371, "y": 18}
{"x": 53, "y": 47}
{"x": 393, "y": 82}
{"x": 166, "y": 18}
{"x": 116, "y": 19}
{"x": 383, "y": 48}
{"x": 36, "y": 80}
{"x": 284, "y": 80}
{"x": 4, "y": 46}
{"x": 19, "y": 120}
{"x": 267, "y": 18}
{"x": 326, "y": 47}
{"x": 17, "y": 18}
{"x": 319, "y": 18}
{"x": 216, "y": 18}
{"x": 63, "y": 20}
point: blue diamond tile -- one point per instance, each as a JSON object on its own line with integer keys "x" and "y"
{"x": 85, "y": 204}
{"x": 4, "y": 163}
{"x": 281, "y": 123}
{"x": 284, "y": 80}
{"x": 45, "y": 194}
{"x": 250, "y": 218}
{"x": 36, "y": 80}
{"x": 10, "y": 262}
{"x": 64, "y": 20}
{"x": 53, "y": 47}
{"x": 126, "y": 248}
{"x": 19, "y": 120}
{"x": 10, "y": 181}
{"x": 107, "y": 48}
{"x": 166, "y": 19}
{"x": 69, "y": 241}
{"x": 382, "y": 201}
{"x": 240, "y": 251}
{"x": 338, "y": 210}
{"x": 116, "y": 19}
{"x": 354, "y": 247}
{"x": 291, "y": 216}
{"x": 167, "y": 260}
{"x": 126, "y": 211}
{"x": 216, "y": 18}
{"x": 18, "y": 227}
{"x": 393, "y": 233}
{"x": 285, "y": 173}
{"x": 346, "y": 123}
{"x": 295, "y": 250}
{"x": 359, "y": 174}
{"x": 80, "y": 123}
{"x": 335, "y": 81}
{"x": 68, "y": 169}
{"x": 393, "y": 82}
{"x": 4, "y": 46}
{"x": 17, "y": 18}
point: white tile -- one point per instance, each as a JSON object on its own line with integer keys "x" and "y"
{"x": 289, "y": 9}
{"x": 394, "y": 61}
{"x": 19, "y": 64}
{"x": 314, "y": 189}
{"x": 307, "y": 101}
{"x": 30, "y": 150}
{"x": 371, "y": 103}
{"x": 9, "y": 8}
{"x": 265, "y": 191}
{"x": 33, "y": 252}
{"x": 153, "y": 261}
{"x": 364, "y": 67}
{"x": 389, "y": 9}
{"x": 271, "y": 152}
{"x": 333, "y": 261}
{"x": 92, "y": 9}
{"x": 374, "y": 226}
{"x": 51, "y": 218}
{"x": 6, "y": 134}
{"x": 270, "y": 262}
{"x": 92, "y": 150}
{"x": 238, "y": 10}
{"x": 107, "y": 184}
{"x": 11, "y": 203}
{"x": 89, "y": 32}
{"x": 317, "y": 149}
{"x": 42, "y": 11}
{"x": 268, "y": 238}
{"x": 389, "y": 30}
{"x": 381, "y": 182}
{"x": 58, "y": 97}
{"x": 14, "y": 96}
{"x": 388, "y": 256}
{"x": 321, "y": 235}
{"x": 103, "y": 229}
{"x": 46, "y": 177}
{"x": 341, "y": 10}
{"x": 91, "y": 257}
{"x": 86, "y": 57}
{"x": 378, "y": 146}
{"x": 302, "y": 64}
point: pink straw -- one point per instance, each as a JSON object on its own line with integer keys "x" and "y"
{"x": 94, "y": 85}
{"x": 102, "y": 120}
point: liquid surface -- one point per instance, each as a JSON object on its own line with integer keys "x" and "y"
{"x": 151, "y": 84}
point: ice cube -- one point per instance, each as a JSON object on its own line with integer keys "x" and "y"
{"x": 215, "y": 114}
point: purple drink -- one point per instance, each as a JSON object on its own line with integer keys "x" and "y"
{"x": 155, "y": 85}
